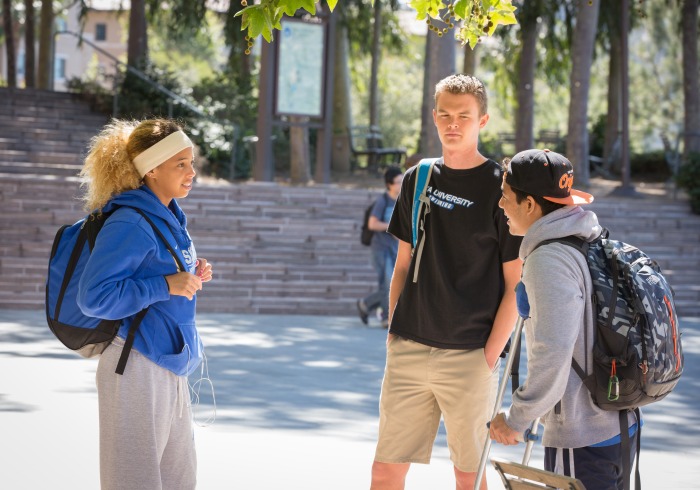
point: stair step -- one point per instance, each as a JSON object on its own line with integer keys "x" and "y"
{"x": 275, "y": 248}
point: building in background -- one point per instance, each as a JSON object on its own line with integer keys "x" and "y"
{"x": 105, "y": 25}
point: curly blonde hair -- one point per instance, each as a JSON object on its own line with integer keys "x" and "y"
{"x": 109, "y": 169}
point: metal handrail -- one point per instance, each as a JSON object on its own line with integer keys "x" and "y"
{"x": 135, "y": 71}
{"x": 172, "y": 96}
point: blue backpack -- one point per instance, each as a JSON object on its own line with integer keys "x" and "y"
{"x": 71, "y": 250}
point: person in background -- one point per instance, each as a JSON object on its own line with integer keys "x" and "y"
{"x": 448, "y": 326}
{"x": 384, "y": 248}
{"x": 146, "y": 436}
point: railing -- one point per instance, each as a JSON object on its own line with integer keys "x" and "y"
{"x": 172, "y": 97}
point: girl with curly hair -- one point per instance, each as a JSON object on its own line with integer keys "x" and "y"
{"x": 146, "y": 437}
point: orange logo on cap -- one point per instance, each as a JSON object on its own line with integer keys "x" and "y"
{"x": 566, "y": 182}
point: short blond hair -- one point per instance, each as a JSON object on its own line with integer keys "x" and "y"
{"x": 108, "y": 169}
{"x": 464, "y": 84}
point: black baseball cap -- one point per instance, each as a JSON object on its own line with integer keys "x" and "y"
{"x": 546, "y": 174}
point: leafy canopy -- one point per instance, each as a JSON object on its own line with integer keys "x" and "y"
{"x": 479, "y": 17}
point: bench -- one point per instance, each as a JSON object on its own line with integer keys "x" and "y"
{"x": 546, "y": 138}
{"x": 549, "y": 138}
{"x": 368, "y": 141}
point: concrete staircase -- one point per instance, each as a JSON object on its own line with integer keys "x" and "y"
{"x": 275, "y": 248}
{"x": 666, "y": 231}
{"x": 44, "y": 133}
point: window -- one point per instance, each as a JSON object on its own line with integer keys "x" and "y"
{"x": 60, "y": 69}
{"x": 100, "y": 32}
{"x": 61, "y": 25}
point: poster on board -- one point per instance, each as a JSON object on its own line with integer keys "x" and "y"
{"x": 300, "y": 69}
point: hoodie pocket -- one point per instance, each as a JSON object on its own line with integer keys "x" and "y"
{"x": 187, "y": 360}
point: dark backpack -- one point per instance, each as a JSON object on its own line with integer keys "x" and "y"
{"x": 366, "y": 234}
{"x": 637, "y": 353}
{"x": 71, "y": 250}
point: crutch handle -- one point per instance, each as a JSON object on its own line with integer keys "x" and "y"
{"x": 528, "y": 435}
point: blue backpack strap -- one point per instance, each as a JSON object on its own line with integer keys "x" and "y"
{"x": 425, "y": 169}
{"x": 421, "y": 207}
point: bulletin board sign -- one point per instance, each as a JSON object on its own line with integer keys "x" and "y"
{"x": 300, "y": 69}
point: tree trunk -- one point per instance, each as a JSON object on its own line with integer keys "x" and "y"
{"x": 439, "y": 63}
{"x": 376, "y": 55}
{"x": 525, "y": 114}
{"x": 29, "y": 61}
{"x": 471, "y": 57}
{"x": 238, "y": 61}
{"x": 299, "y": 156}
{"x": 9, "y": 44}
{"x": 613, "y": 123}
{"x": 582, "y": 58}
{"x": 45, "y": 42}
{"x": 691, "y": 87}
{"x": 137, "y": 47}
{"x": 342, "y": 116}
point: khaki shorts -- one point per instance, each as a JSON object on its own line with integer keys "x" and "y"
{"x": 422, "y": 383}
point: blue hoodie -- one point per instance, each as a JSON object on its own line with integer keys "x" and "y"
{"x": 126, "y": 273}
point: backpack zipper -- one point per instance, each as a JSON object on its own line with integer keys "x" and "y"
{"x": 675, "y": 332}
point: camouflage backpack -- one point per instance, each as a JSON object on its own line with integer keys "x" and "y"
{"x": 637, "y": 354}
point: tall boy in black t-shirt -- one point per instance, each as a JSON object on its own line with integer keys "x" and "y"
{"x": 448, "y": 328}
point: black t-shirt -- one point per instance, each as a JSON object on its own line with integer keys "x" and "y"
{"x": 460, "y": 281}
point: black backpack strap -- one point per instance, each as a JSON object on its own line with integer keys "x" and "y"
{"x": 625, "y": 449}
{"x": 131, "y": 335}
{"x": 573, "y": 241}
{"x": 179, "y": 263}
{"x": 129, "y": 342}
{"x": 582, "y": 246}
{"x": 70, "y": 269}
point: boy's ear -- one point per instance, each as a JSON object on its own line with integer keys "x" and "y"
{"x": 531, "y": 204}
{"x": 484, "y": 119}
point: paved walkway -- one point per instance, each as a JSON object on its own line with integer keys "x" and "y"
{"x": 296, "y": 408}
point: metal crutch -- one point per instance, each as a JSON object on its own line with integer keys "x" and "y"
{"x": 514, "y": 346}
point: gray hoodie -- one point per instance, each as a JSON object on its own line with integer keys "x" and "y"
{"x": 559, "y": 289}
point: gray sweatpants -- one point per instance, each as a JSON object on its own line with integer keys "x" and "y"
{"x": 146, "y": 436}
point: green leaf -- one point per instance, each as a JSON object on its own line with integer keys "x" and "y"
{"x": 268, "y": 27}
{"x": 505, "y": 17}
{"x": 277, "y": 21}
{"x": 245, "y": 20}
{"x": 257, "y": 22}
{"x": 434, "y": 8}
{"x": 421, "y": 8}
{"x": 290, "y": 7}
{"x": 461, "y": 7}
{"x": 309, "y": 6}
{"x": 331, "y": 4}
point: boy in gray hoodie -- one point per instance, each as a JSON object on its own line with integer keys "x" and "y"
{"x": 554, "y": 297}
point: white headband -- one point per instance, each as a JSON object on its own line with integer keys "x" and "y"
{"x": 171, "y": 145}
